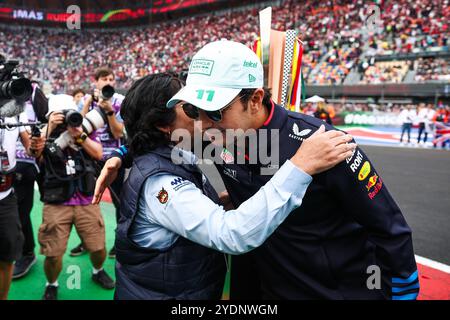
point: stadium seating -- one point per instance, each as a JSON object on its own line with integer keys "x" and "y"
{"x": 386, "y": 72}
{"x": 329, "y": 29}
{"x": 432, "y": 69}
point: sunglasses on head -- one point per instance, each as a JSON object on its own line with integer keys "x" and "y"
{"x": 193, "y": 112}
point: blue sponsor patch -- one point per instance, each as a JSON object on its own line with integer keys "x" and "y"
{"x": 177, "y": 181}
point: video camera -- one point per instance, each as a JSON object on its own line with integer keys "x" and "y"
{"x": 13, "y": 84}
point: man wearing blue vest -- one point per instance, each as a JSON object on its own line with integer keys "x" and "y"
{"x": 348, "y": 240}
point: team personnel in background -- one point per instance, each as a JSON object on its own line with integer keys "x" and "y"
{"x": 110, "y": 136}
{"x": 406, "y": 118}
{"x": 170, "y": 217}
{"x": 25, "y": 177}
{"x": 11, "y": 236}
{"x": 425, "y": 117}
{"x": 66, "y": 185}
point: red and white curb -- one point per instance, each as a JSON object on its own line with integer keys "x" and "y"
{"x": 434, "y": 279}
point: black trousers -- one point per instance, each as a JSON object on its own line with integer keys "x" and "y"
{"x": 11, "y": 237}
{"x": 26, "y": 174}
{"x": 422, "y": 130}
{"x": 244, "y": 278}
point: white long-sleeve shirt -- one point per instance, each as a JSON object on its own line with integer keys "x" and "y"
{"x": 407, "y": 116}
{"x": 187, "y": 212}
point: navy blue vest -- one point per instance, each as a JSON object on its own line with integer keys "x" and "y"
{"x": 184, "y": 271}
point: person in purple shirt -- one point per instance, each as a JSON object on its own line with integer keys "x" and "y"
{"x": 110, "y": 136}
{"x": 66, "y": 187}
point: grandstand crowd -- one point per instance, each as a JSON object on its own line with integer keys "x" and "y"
{"x": 333, "y": 32}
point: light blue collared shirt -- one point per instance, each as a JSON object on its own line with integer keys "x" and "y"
{"x": 187, "y": 212}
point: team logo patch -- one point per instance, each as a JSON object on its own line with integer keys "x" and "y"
{"x": 231, "y": 173}
{"x": 163, "y": 196}
{"x": 297, "y": 134}
{"x": 372, "y": 182}
{"x": 226, "y": 156}
{"x": 364, "y": 172}
{"x": 356, "y": 162}
{"x": 177, "y": 181}
{"x": 250, "y": 64}
{"x": 201, "y": 66}
{"x": 375, "y": 185}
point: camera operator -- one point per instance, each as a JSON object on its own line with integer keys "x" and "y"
{"x": 11, "y": 237}
{"x": 105, "y": 98}
{"x": 25, "y": 176}
{"x": 15, "y": 89}
{"x": 67, "y": 185}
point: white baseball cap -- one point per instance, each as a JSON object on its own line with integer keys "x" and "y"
{"x": 218, "y": 73}
{"x": 59, "y": 102}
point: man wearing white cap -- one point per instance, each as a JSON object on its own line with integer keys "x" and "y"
{"x": 348, "y": 221}
{"x": 348, "y": 240}
{"x": 66, "y": 190}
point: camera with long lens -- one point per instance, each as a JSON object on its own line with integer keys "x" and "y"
{"x": 13, "y": 84}
{"x": 72, "y": 118}
{"x": 106, "y": 93}
{"x": 93, "y": 120}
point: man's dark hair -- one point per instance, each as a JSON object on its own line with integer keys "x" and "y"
{"x": 247, "y": 94}
{"x": 103, "y": 72}
{"x": 144, "y": 109}
{"x": 77, "y": 91}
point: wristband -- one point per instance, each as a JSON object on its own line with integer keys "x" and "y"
{"x": 82, "y": 138}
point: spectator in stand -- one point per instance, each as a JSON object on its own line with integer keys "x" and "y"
{"x": 327, "y": 28}
{"x": 432, "y": 69}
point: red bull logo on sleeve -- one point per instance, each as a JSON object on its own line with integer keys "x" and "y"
{"x": 372, "y": 181}
{"x": 375, "y": 185}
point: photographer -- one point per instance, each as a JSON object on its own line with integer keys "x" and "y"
{"x": 66, "y": 185}
{"x": 15, "y": 89}
{"x": 25, "y": 176}
{"x": 11, "y": 237}
{"x": 109, "y": 102}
